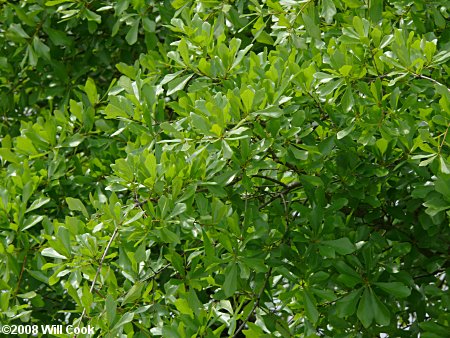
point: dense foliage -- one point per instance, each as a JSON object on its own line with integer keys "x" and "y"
{"x": 226, "y": 168}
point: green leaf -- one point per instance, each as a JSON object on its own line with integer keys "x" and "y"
{"x": 41, "y": 49}
{"x": 17, "y": 31}
{"x": 382, "y": 145}
{"x": 133, "y": 294}
{"x": 200, "y": 123}
{"x": 87, "y": 298}
{"x": 347, "y": 100}
{"x": 381, "y": 312}
{"x": 179, "y": 209}
{"x": 76, "y": 204}
{"x": 273, "y": 112}
{"x": 170, "y": 77}
{"x": 442, "y": 185}
{"x": 150, "y": 164}
{"x": 316, "y": 218}
{"x": 177, "y": 262}
{"x": 183, "y": 306}
{"x": 345, "y": 71}
{"x": 50, "y": 252}
{"x": 342, "y": 246}
{"x": 39, "y": 276}
{"x": 240, "y": 55}
{"x": 178, "y": 84}
{"x": 310, "y": 307}
{"x": 194, "y": 302}
{"x": 126, "y": 318}
{"x": 376, "y": 10}
{"x": 330, "y": 87}
{"x": 134, "y": 218}
{"x": 301, "y": 155}
{"x": 247, "y": 97}
{"x": 227, "y": 151}
{"x": 110, "y": 309}
{"x": 8, "y": 155}
{"x": 27, "y": 190}
{"x": 57, "y": 37}
{"x": 445, "y": 167}
{"x": 209, "y": 248}
{"x": 366, "y": 307}
{"x": 32, "y": 56}
{"x": 328, "y": 10}
{"x": 323, "y": 77}
{"x": 353, "y": 3}
{"x": 149, "y": 25}
{"x": 56, "y": 2}
{"x": 184, "y": 51}
{"x": 132, "y": 34}
{"x": 434, "y": 328}
{"x": 347, "y": 305}
{"x": 38, "y": 203}
{"x": 31, "y": 221}
{"x": 64, "y": 238}
{"x": 91, "y": 16}
{"x": 435, "y": 205}
{"x": 311, "y": 27}
{"x": 88, "y": 118}
{"x": 177, "y": 4}
{"x": 429, "y": 160}
{"x": 358, "y": 24}
{"x": 396, "y": 289}
{"x": 23, "y": 16}
{"x": 343, "y": 133}
{"x": 91, "y": 91}
{"x": 169, "y": 236}
{"x": 231, "y": 276}
{"x": 5, "y": 65}
{"x": 72, "y": 141}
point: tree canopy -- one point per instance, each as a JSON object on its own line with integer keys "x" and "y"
{"x": 247, "y": 168}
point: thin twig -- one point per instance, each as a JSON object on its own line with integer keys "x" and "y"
{"x": 275, "y": 158}
{"x": 116, "y": 230}
{"x": 420, "y": 76}
{"x": 323, "y": 114}
{"x": 257, "y": 300}
{"x": 443, "y": 139}
{"x": 288, "y": 189}
{"x": 21, "y": 275}
{"x": 271, "y": 179}
{"x": 432, "y": 274}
